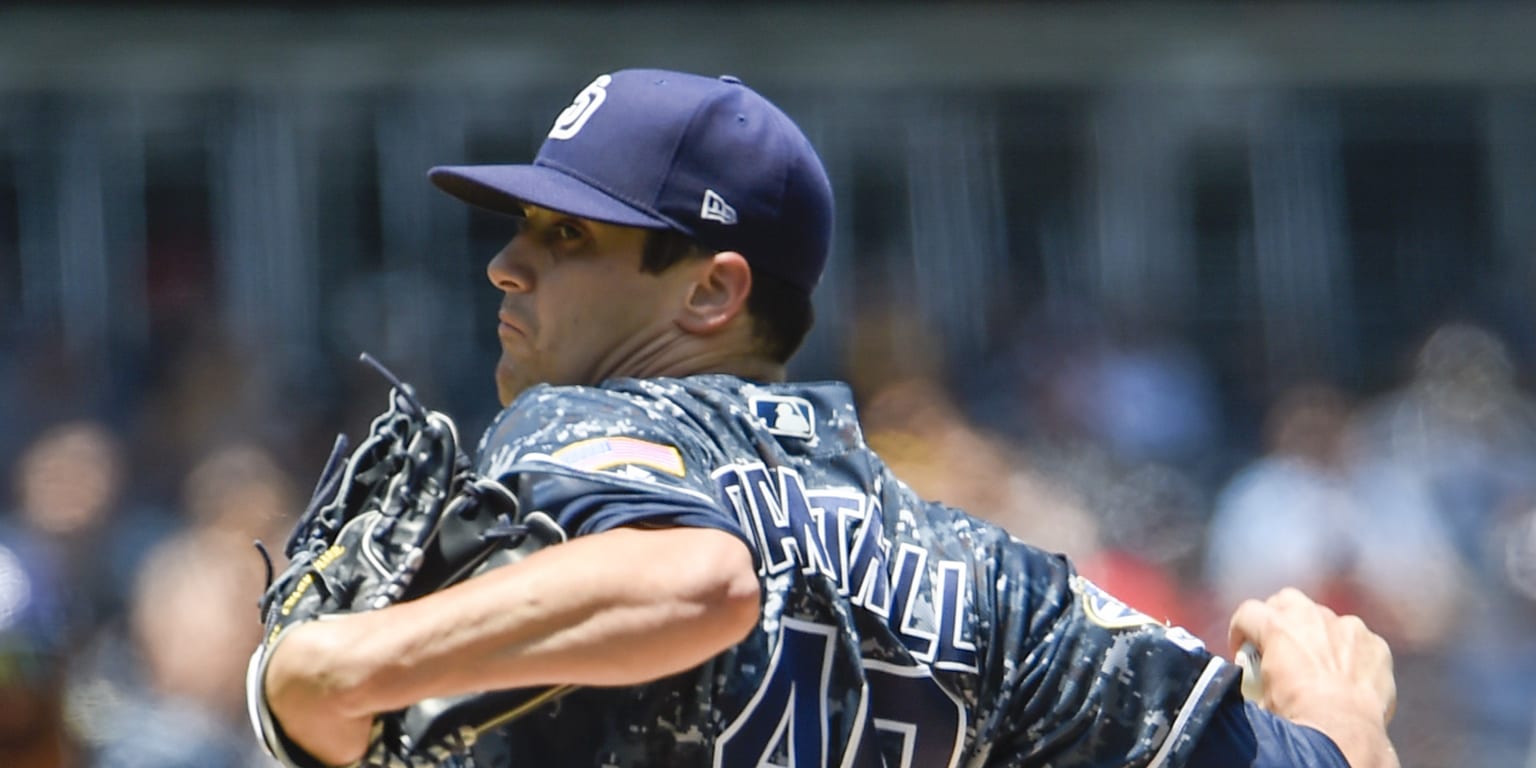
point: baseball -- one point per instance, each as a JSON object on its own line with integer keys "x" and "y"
{"x": 1248, "y": 661}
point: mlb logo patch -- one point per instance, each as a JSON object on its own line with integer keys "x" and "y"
{"x": 785, "y": 416}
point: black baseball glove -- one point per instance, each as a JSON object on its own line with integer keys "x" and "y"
{"x": 402, "y": 516}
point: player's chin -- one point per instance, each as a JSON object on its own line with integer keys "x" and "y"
{"x": 508, "y": 383}
{"x": 515, "y": 375}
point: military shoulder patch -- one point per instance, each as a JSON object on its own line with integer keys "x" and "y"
{"x": 1106, "y": 610}
{"x": 602, "y": 453}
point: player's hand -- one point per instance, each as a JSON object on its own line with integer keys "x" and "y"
{"x": 302, "y": 691}
{"x": 1321, "y": 669}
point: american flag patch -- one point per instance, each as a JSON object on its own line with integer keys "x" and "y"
{"x": 600, "y": 453}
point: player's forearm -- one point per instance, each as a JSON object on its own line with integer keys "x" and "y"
{"x": 617, "y": 608}
{"x": 1348, "y": 711}
{"x": 1361, "y": 737}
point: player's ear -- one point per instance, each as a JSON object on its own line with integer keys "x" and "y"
{"x": 718, "y": 293}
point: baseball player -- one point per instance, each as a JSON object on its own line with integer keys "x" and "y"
{"x": 745, "y": 583}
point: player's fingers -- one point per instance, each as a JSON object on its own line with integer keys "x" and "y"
{"x": 1352, "y": 629}
{"x": 1289, "y": 605}
{"x": 1375, "y": 654}
{"x": 1291, "y": 599}
{"x": 1248, "y": 624}
{"x": 1300, "y": 613}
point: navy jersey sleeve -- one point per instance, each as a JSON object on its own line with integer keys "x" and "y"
{"x": 595, "y": 459}
{"x": 1089, "y": 681}
{"x": 1242, "y": 735}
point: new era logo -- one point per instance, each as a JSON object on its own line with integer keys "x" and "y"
{"x": 715, "y": 208}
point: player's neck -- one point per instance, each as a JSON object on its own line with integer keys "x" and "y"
{"x": 755, "y": 368}
{"x": 746, "y": 364}
{"x": 674, "y": 354}
{"x": 734, "y": 351}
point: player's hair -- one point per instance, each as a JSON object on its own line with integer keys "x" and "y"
{"x": 782, "y": 313}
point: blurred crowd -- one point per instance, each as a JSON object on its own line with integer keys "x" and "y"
{"x": 1414, "y": 508}
{"x": 128, "y": 580}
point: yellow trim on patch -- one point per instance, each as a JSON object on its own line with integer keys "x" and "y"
{"x": 1105, "y": 609}
{"x": 601, "y": 453}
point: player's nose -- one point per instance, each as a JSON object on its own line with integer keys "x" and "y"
{"x": 507, "y": 272}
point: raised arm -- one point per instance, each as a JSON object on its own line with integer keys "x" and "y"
{"x": 1323, "y": 670}
{"x": 621, "y": 607}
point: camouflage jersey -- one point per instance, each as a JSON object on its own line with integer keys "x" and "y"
{"x": 895, "y": 631}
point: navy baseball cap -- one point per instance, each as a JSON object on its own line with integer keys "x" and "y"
{"x": 707, "y": 157}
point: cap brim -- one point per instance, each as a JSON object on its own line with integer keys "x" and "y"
{"x": 506, "y": 188}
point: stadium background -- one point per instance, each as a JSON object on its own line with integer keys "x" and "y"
{"x": 1210, "y": 296}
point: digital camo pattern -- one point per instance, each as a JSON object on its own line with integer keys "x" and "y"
{"x": 894, "y": 632}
